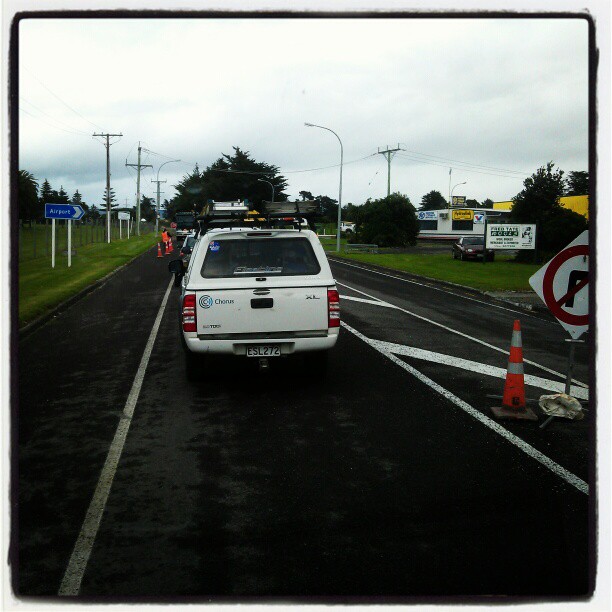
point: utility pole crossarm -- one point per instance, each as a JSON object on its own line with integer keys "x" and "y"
{"x": 388, "y": 153}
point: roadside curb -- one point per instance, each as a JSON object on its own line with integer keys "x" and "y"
{"x": 37, "y": 323}
{"x": 533, "y": 308}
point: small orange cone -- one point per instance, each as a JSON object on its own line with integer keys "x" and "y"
{"x": 514, "y": 390}
{"x": 159, "y": 253}
{"x": 170, "y": 245}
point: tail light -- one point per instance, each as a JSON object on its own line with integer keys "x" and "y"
{"x": 189, "y": 313}
{"x": 333, "y": 307}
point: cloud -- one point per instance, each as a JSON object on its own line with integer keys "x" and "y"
{"x": 505, "y": 93}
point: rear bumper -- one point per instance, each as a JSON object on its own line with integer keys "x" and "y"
{"x": 288, "y": 346}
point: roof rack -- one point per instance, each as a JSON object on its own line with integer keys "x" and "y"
{"x": 240, "y": 214}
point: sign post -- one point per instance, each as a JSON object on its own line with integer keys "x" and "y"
{"x": 62, "y": 211}
{"x": 562, "y": 284}
{"x": 69, "y": 224}
{"x": 53, "y": 243}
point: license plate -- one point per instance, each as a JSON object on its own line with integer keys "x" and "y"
{"x": 263, "y": 351}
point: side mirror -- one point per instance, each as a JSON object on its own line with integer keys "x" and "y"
{"x": 176, "y": 267}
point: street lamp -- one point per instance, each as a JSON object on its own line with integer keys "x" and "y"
{"x": 453, "y": 189}
{"x": 157, "y": 181}
{"x": 271, "y": 185}
{"x": 340, "y": 191}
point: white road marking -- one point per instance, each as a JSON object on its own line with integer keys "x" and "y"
{"x": 71, "y": 582}
{"x": 364, "y": 301}
{"x": 465, "y": 297}
{"x": 475, "y": 366}
{"x": 456, "y": 331}
{"x": 547, "y": 462}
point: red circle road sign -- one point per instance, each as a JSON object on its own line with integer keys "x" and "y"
{"x": 556, "y": 305}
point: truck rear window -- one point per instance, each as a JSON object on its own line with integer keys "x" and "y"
{"x": 259, "y": 256}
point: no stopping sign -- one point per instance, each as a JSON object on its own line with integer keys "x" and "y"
{"x": 562, "y": 284}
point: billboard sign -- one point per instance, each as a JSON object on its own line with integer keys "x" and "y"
{"x": 515, "y": 236}
{"x": 458, "y": 201}
{"x": 124, "y": 216}
{"x": 463, "y": 215}
{"x": 427, "y": 215}
{"x": 479, "y": 217}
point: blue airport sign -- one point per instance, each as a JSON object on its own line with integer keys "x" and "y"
{"x": 72, "y": 212}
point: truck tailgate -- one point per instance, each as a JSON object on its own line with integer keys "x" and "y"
{"x": 253, "y": 311}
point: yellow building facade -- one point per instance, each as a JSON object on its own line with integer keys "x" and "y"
{"x": 579, "y": 204}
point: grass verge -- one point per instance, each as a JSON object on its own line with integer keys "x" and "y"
{"x": 41, "y": 287}
{"x": 503, "y": 274}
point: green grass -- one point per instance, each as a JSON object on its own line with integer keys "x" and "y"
{"x": 42, "y": 287}
{"x": 501, "y": 275}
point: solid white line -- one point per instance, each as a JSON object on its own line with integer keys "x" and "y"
{"x": 475, "y": 366}
{"x": 554, "y": 467}
{"x": 71, "y": 582}
{"x": 465, "y": 297}
{"x": 455, "y": 331}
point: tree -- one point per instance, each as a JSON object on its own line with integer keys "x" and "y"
{"x": 147, "y": 208}
{"x": 388, "y": 222}
{"x": 306, "y": 195}
{"x": 230, "y": 177}
{"x": 77, "y": 198}
{"x": 577, "y": 183}
{"x": 349, "y": 212}
{"x": 329, "y": 209}
{"x": 105, "y": 198}
{"x": 470, "y": 203}
{"x": 62, "y": 196}
{"x": 27, "y": 196}
{"x": 538, "y": 202}
{"x": 46, "y": 193}
{"x": 488, "y": 203}
{"x": 433, "y": 200}
{"x": 93, "y": 214}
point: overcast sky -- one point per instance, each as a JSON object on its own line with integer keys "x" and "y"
{"x": 502, "y": 95}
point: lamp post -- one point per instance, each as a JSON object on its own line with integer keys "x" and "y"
{"x": 157, "y": 181}
{"x": 453, "y": 189}
{"x": 340, "y": 190}
{"x": 271, "y": 185}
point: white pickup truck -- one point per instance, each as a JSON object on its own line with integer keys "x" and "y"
{"x": 261, "y": 293}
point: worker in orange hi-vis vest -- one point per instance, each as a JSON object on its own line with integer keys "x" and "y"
{"x": 164, "y": 236}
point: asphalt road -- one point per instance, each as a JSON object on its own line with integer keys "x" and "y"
{"x": 388, "y": 480}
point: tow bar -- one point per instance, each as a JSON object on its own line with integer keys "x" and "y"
{"x": 264, "y": 364}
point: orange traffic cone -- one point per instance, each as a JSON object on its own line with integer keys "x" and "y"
{"x": 514, "y": 389}
{"x": 159, "y": 253}
{"x": 170, "y": 243}
{"x": 167, "y": 247}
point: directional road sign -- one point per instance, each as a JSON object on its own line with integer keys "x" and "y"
{"x": 72, "y": 212}
{"x": 562, "y": 284}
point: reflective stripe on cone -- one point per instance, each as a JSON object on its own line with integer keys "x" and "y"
{"x": 514, "y": 390}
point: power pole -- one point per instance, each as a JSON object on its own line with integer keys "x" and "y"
{"x": 157, "y": 211}
{"x": 138, "y": 166}
{"x": 108, "y": 144}
{"x": 388, "y": 153}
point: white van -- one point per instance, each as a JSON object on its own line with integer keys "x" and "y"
{"x": 260, "y": 292}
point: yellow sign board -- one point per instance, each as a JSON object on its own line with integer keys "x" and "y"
{"x": 463, "y": 215}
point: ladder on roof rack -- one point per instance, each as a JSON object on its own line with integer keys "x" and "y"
{"x": 239, "y": 214}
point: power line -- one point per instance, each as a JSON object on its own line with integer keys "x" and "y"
{"x": 447, "y": 159}
{"x": 75, "y": 133}
{"x": 432, "y": 163}
{"x": 40, "y": 110}
{"x": 62, "y": 101}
